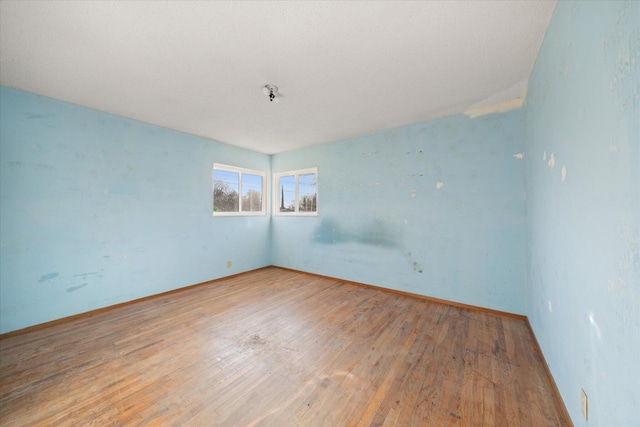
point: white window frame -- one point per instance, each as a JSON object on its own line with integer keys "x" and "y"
{"x": 240, "y": 171}
{"x": 276, "y": 192}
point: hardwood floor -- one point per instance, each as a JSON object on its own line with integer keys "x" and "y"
{"x": 279, "y": 348}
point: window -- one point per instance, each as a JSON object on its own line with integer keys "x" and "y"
{"x": 238, "y": 191}
{"x": 296, "y": 192}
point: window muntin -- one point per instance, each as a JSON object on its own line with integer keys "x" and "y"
{"x": 308, "y": 192}
{"x": 296, "y": 192}
{"x": 229, "y": 182}
{"x": 252, "y": 193}
{"x": 225, "y": 191}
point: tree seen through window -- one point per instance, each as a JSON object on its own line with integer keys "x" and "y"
{"x": 230, "y": 182}
{"x": 297, "y": 192}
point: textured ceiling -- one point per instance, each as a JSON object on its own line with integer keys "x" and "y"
{"x": 343, "y": 68}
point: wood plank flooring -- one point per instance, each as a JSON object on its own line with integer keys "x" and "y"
{"x": 278, "y": 348}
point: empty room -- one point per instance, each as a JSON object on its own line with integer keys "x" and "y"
{"x": 343, "y": 213}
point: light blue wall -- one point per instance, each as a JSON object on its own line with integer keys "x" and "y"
{"x": 97, "y": 209}
{"x": 582, "y": 108}
{"x": 383, "y": 221}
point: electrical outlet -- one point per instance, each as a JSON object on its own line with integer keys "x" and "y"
{"x": 229, "y": 264}
{"x": 584, "y": 405}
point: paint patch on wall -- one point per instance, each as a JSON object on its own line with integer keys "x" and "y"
{"x": 35, "y": 116}
{"x": 501, "y": 107}
{"x": 439, "y": 184}
{"x": 49, "y": 276}
{"x": 552, "y": 161}
{"x": 93, "y": 273}
{"x": 75, "y": 288}
{"x": 594, "y": 325}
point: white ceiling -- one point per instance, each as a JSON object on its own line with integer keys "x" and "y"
{"x": 343, "y": 68}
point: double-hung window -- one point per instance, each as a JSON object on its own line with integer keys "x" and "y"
{"x": 238, "y": 191}
{"x": 296, "y": 192}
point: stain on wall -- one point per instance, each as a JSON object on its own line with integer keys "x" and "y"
{"x": 75, "y": 288}
{"x": 375, "y": 232}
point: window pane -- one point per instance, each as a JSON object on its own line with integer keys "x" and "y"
{"x": 287, "y": 195}
{"x": 251, "y": 193}
{"x": 225, "y": 191}
{"x": 308, "y": 193}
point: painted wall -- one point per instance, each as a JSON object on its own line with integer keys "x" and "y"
{"x": 97, "y": 209}
{"x": 434, "y": 208}
{"x": 583, "y": 211}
